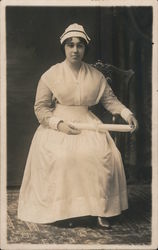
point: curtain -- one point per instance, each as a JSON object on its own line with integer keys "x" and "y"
{"x": 129, "y": 46}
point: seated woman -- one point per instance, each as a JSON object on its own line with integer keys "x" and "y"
{"x": 72, "y": 173}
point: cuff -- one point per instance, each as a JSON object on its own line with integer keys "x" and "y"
{"x": 125, "y": 113}
{"x": 53, "y": 122}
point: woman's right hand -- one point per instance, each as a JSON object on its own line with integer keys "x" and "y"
{"x": 68, "y": 129}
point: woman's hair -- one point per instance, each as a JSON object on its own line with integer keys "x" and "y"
{"x": 82, "y": 40}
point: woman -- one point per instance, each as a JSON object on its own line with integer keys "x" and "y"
{"x": 72, "y": 173}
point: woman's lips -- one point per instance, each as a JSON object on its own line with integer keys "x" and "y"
{"x": 75, "y": 56}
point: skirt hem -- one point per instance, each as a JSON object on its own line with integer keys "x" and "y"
{"x": 77, "y": 216}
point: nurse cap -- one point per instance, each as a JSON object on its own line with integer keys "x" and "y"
{"x": 74, "y": 30}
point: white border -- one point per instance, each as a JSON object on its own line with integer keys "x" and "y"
{"x": 152, "y": 3}
{"x": 79, "y": 3}
{"x": 3, "y": 130}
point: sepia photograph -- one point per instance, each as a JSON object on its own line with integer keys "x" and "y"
{"x": 79, "y": 124}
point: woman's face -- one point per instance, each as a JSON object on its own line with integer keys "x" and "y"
{"x": 74, "y": 50}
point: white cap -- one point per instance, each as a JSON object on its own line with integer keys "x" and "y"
{"x": 74, "y": 30}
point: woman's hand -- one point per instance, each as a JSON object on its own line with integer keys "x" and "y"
{"x": 133, "y": 122}
{"x": 68, "y": 129}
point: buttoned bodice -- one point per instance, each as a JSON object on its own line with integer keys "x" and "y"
{"x": 86, "y": 89}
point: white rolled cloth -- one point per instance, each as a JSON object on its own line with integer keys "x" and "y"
{"x": 102, "y": 127}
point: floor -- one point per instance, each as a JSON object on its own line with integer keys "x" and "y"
{"x": 133, "y": 227}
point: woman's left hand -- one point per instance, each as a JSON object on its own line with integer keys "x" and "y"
{"x": 133, "y": 122}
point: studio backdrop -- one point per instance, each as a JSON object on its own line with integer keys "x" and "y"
{"x": 121, "y": 36}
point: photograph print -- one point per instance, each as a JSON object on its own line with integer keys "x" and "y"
{"x": 79, "y": 82}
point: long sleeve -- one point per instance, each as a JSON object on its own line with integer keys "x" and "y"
{"x": 112, "y": 104}
{"x": 43, "y": 106}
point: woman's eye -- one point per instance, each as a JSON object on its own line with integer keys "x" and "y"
{"x": 80, "y": 46}
{"x": 70, "y": 45}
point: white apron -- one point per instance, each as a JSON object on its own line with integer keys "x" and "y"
{"x": 72, "y": 175}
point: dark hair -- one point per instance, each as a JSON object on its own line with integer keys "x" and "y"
{"x": 62, "y": 46}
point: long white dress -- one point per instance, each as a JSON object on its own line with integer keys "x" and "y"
{"x": 69, "y": 176}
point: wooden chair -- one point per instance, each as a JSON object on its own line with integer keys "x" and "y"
{"x": 121, "y": 82}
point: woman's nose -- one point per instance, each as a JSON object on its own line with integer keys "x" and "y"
{"x": 75, "y": 48}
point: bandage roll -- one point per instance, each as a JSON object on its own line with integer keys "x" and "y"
{"x": 102, "y": 127}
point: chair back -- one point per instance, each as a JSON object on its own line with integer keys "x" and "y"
{"x": 121, "y": 82}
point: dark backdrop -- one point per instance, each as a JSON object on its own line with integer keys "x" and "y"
{"x": 121, "y": 36}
